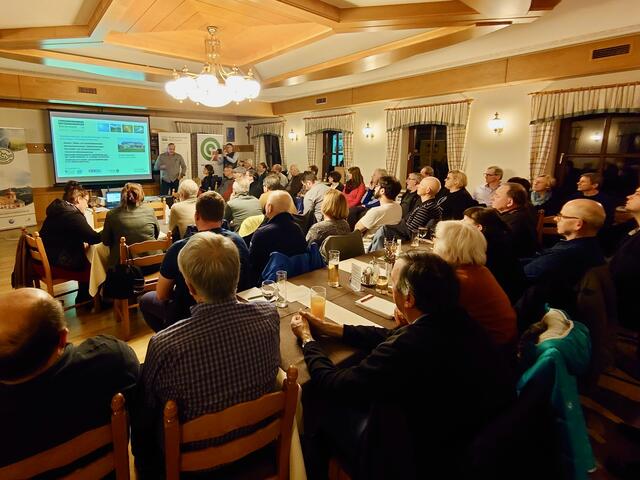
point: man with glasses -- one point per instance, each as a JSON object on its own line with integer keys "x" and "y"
{"x": 410, "y": 199}
{"x": 483, "y": 194}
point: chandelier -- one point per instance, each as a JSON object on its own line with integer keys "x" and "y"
{"x": 216, "y": 85}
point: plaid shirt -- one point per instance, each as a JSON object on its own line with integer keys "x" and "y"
{"x": 226, "y": 353}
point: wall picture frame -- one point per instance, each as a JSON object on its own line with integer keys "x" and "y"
{"x": 231, "y": 134}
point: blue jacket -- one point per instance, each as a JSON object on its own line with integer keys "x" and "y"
{"x": 295, "y": 265}
{"x": 560, "y": 358}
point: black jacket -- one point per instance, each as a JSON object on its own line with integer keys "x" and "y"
{"x": 454, "y": 204}
{"x": 295, "y": 185}
{"x": 441, "y": 378}
{"x": 64, "y": 233}
{"x": 523, "y": 231}
{"x": 504, "y": 264}
{"x": 408, "y": 202}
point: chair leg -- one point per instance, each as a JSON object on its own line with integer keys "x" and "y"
{"x": 126, "y": 326}
{"x": 97, "y": 305}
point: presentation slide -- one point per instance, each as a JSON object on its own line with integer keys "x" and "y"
{"x": 100, "y": 148}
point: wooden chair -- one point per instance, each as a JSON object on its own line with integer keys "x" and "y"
{"x": 133, "y": 255}
{"x": 549, "y": 227}
{"x": 115, "y": 433}
{"x": 158, "y": 208}
{"x": 99, "y": 216}
{"x": 280, "y": 407}
{"x": 539, "y": 225}
{"x": 49, "y": 275}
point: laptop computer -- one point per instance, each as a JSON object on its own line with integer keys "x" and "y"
{"x": 112, "y": 199}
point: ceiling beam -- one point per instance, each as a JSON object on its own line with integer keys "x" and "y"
{"x": 381, "y": 56}
{"x": 312, "y": 10}
{"x": 35, "y": 37}
{"x": 503, "y": 8}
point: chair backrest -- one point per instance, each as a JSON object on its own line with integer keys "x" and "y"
{"x": 349, "y": 245}
{"x": 99, "y": 216}
{"x": 158, "y": 208}
{"x": 279, "y": 408}
{"x": 539, "y": 225}
{"x": 115, "y": 433}
{"x": 549, "y": 226}
{"x": 294, "y": 265}
{"x": 133, "y": 254}
{"x": 306, "y": 221}
{"x": 39, "y": 255}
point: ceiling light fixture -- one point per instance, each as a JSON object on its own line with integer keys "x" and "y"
{"x": 496, "y": 124}
{"x": 216, "y": 85}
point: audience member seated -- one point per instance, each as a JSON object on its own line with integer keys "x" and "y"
{"x": 334, "y": 214}
{"x": 501, "y": 261}
{"x": 427, "y": 214}
{"x": 388, "y": 213}
{"x": 557, "y": 270}
{"x": 280, "y": 232}
{"x": 511, "y": 201}
{"x": 51, "y": 390}
{"x": 542, "y": 195}
{"x": 313, "y": 168}
{"x": 255, "y": 186}
{"x": 526, "y": 184}
{"x": 181, "y": 214}
{"x": 226, "y": 185}
{"x": 369, "y": 200}
{"x": 455, "y": 199}
{"x": 625, "y": 270}
{"x": 263, "y": 171}
{"x": 464, "y": 248}
{"x": 314, "y": 194}
{"x": 334, "y": 181}
{"x": 589, "y": 187}
{"x": 209, "y": 180}
{"x": 132, "y": 220}
{"x": 241, "y": 205}
{"x": 225, "y": 353}
{"x": 276, "y": 169}
{"x": 171, "y": 300}
{"x": 295, "y": 181}
{"x": 354, "y": 188}
{"x": 427, "y": 171}
{"x": 483, "y": 194}
{"x": 65, "y": 231}
{"x": 410, "y": 198}
{"x": 381, "y": 405}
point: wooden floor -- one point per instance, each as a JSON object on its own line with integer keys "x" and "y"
{"x": 616, "y": 401}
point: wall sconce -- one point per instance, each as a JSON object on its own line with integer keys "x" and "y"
{"x": 367, "y": 131}
{"x": 596, "y": 137}
{"x": 496, "y": 124}
{"x": 293, "y": 136}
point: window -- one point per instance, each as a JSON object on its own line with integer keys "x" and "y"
{"x": 272, "y": 149}
{"x": 428, "y": 147}
{"x": 333, "y": 151}
{"x": 607, "y": 144}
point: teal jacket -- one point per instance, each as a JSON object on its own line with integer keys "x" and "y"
{"x": 563, "y": 353}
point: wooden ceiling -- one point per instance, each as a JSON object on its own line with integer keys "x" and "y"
{"x": 255, "y": 31}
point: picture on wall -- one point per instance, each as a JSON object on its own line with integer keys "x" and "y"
{"x": 231, "y": 134}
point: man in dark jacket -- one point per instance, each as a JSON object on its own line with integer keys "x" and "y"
{"x": 404, "y": 376}
{"x": 280, "y": 233}
{"x": 65, "y": 231}
{"x": 411, "y": 199}
{"x": 295, "y": 182}
{"x": 511, "y": 201}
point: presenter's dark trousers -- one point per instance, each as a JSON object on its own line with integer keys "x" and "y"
{"x": 166, "y": 187}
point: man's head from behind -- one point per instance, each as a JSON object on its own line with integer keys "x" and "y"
{"x": 423, "y": 283}
{"x": 580, "y": 218}
{"x": 388, "y": 187}
{"x": 509, "y": 196}
{"x": 209, "y": 210}
{"x": 428, "y": 186}
{"x": 34, "y": 336}
{"x": 210, "y": 265}
{"x": 271, "y": 182}
{"x": 279, "y": 201}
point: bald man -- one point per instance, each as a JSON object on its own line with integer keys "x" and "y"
{"x": 51, "y": 390}
{"x": 426, "y": 214}
{"x": 280, "y": 233}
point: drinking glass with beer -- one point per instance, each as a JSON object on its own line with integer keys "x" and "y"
{"x": 384, "y": 270}
{"x": 318, "y": 301}
{"x": 334, "y": 274}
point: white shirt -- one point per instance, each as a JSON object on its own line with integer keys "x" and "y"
{"x": 385, "y": 214}
{"x": 484, "y": 194}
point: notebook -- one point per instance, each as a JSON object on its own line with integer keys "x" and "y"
{"x": 378, "y": 305}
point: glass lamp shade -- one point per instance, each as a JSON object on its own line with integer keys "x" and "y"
{"x": 496, "y": 124}
{"x": 252, "y": 88}
{"x": 183, "y": 87}
{"x": 217, "y": 96}
{"x": 236, "y": 83}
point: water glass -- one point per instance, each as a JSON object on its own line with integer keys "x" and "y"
{"x": 281, "y": 279}
{"x": 269, "y": 289}
{"x": 317, "y": 301}
{"x": 334, "y": 273}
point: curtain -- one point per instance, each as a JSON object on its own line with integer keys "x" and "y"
{"x": 190, "y": 127}
{"x": 454, "y": 115}
{"x": 259, "y": 130}
{"x": 314, "y": 126}
{"x": 548, "y": 108}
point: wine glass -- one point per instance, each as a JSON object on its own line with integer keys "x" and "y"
{"x": 269, "y": 289}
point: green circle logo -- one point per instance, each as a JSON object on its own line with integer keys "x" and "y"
{"x": 6, "y": 156}
{"x": 208, "y": 146}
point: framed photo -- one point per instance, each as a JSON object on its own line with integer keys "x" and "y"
{"x": 231, "y": 134}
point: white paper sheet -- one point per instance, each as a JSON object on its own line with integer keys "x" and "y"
{"x": 345, "y": 265}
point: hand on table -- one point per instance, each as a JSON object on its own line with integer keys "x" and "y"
{"x": 318, "y": 325}
{"x": 300, "y": 328}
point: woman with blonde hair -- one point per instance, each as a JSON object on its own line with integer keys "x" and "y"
{"x": 132, "y": 220}
{"x": 455, "y": 199}
{"x": 542, "y": 197}
{"x": 464, "y": 247}
{"x": 354, "y": 188}
{"x": 334, "y": 215}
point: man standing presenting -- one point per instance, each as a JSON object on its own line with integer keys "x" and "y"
{"x": 172, "y": 169}
{"x": 484, "y": 193}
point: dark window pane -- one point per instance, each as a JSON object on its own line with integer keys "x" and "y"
{"x": 620, "y": 177}
{"x": 586, "y": 135}
{"x": 624, "y": 135}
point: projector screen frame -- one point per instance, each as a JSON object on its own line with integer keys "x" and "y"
{"x": 100, "y": 183}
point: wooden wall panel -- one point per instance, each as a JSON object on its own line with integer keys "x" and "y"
{"x": 9, "y": 85}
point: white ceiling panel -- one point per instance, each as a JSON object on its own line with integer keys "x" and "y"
{"x": 45, "y": 13}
